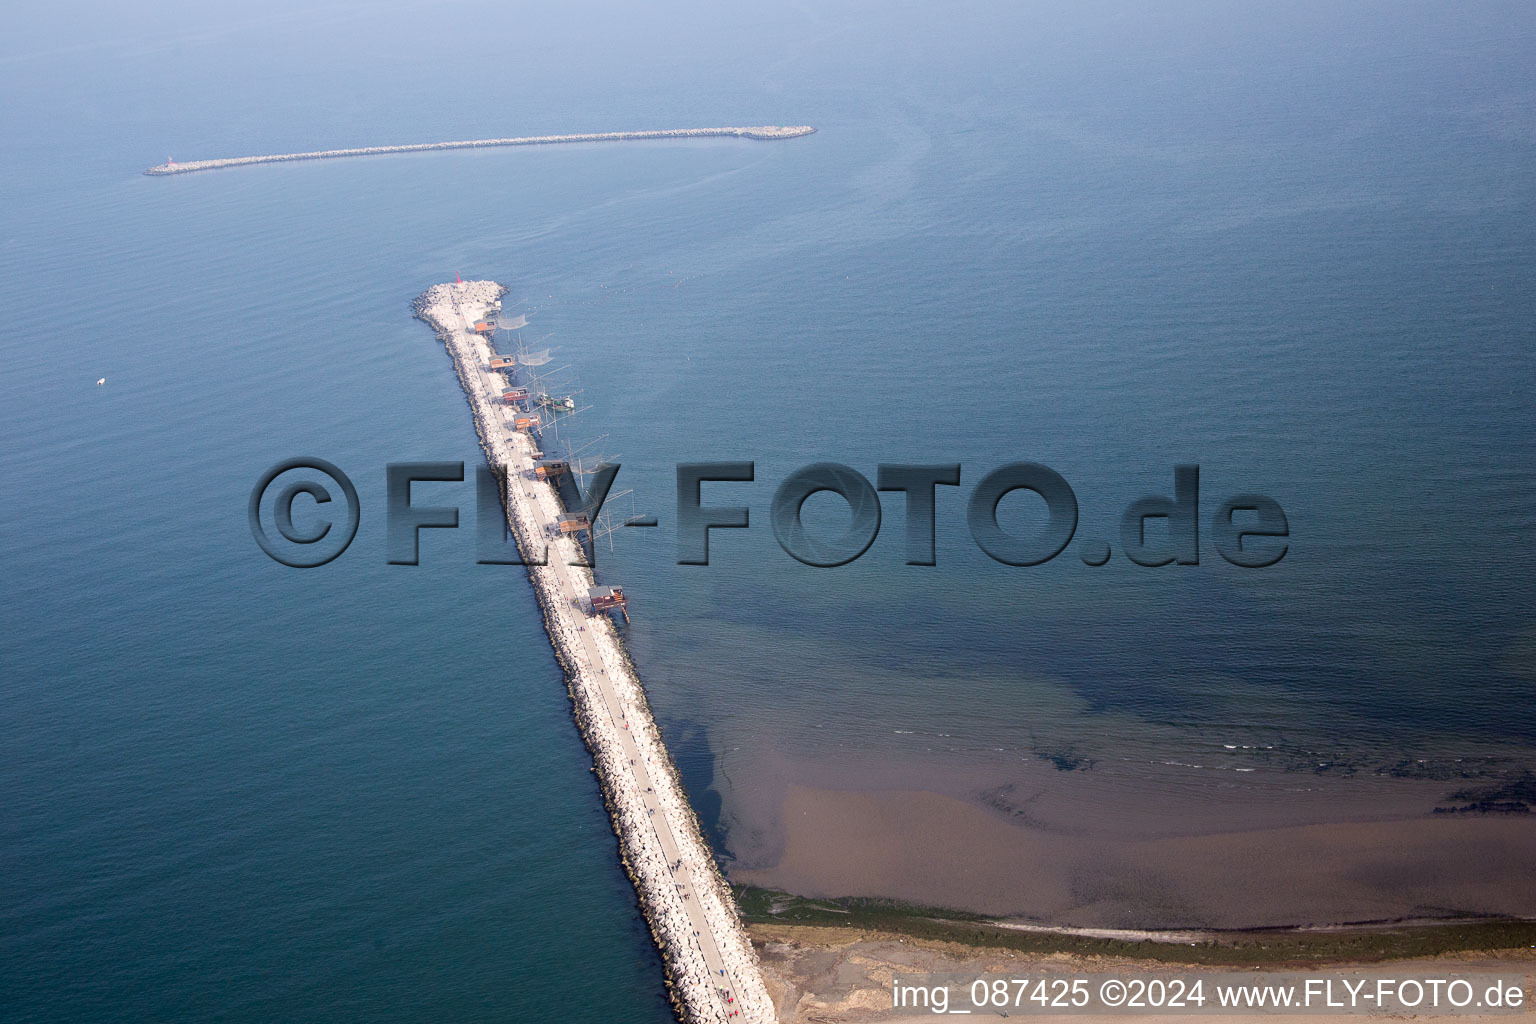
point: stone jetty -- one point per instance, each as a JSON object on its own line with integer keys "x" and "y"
{"x": 764, "y": 132}
{"x": 712, "y": 971}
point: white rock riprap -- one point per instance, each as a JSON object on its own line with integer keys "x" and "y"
{"x": 763, "y": 132}
{"x": 712, "y": 972}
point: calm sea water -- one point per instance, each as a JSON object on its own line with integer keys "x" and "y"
{"x": 1293, "y": 246}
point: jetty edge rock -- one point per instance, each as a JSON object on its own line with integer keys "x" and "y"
{"x": 759, "y": 132}
{"x": 712, "y": 972}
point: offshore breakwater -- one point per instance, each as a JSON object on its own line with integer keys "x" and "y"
{"x": 712, "y": 971}
{"x": 761, "y": 132}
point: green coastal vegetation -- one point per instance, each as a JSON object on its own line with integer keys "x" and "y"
{"x": 1367, "y": 943}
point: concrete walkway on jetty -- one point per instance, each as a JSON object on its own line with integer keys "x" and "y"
{"x": 763, "y": 132}
{"x": 712, "y": 971}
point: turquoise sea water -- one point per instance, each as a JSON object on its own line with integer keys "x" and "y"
{"x": 1295, "y": 246}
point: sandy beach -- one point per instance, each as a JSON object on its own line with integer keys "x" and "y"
{"x": 843, "y": 975}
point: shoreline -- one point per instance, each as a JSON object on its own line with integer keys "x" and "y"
{"x": 712, "y": 972}
{"x": 758, "y": 132}
{"x": 769, "y": 912}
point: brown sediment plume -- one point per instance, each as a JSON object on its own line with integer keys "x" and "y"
{"x": 936, "y": 850}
